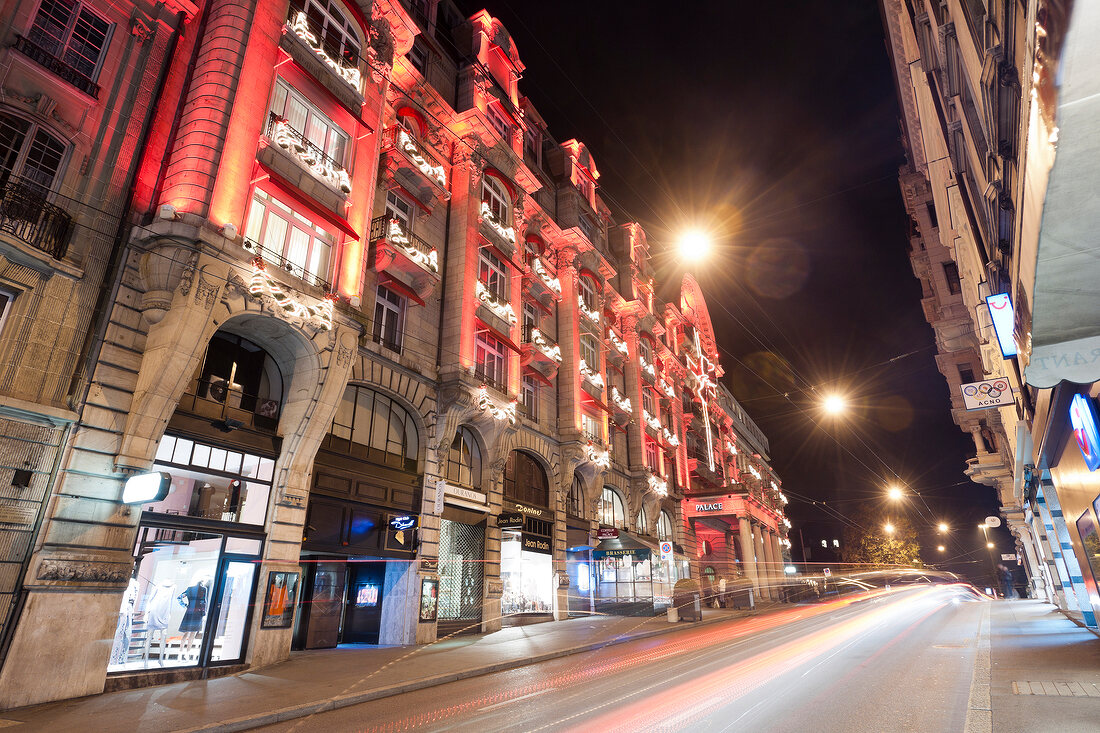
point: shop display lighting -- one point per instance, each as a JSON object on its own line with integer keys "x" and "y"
{"x": 485, "y": 403}
{"x": 507, "y": 233}
{"x": 260, "y": 285}
{"x": 408, "y": 145}
{"x": 289, "y": 139}
{"x": 501, "y": 310}
{"x": 551, "y": 282}
{"x": 350, "y": 74}
{"x": 395, "y": 235}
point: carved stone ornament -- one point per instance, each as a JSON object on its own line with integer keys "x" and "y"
{"x": 85, "y": 571}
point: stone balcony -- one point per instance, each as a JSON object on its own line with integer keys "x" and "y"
{"x": 409, "y": 262}
{"x": 412, "y": 165}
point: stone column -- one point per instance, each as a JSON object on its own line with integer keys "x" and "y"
{"x": 762, "y": 564}
{"x": 777, "y": 555}
{"x": 773, "y": 562}
{"x": 748, "y": 556}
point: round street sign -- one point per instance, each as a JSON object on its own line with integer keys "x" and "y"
{"x": 993, "y": 521}
{"x": 666, "y": 548}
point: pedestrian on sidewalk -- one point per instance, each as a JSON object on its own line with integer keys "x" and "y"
{"x": 722, "y": 591}
{"x": 1004, "y": 576}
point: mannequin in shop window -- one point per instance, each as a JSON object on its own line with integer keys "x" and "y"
{"x": 124, "y": 631}
{"x": 194, "y": 600}
{"x": 158, "y": 609}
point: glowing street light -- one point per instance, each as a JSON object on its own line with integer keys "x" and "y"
{"x": 989, "y": 545}
{"x": 943, "y": 527}
{"x": 694, "y": 245}
{"x": 941, "y": 548}
{"x": 889, "y": 528}
{"x": 834, "y": 404}
{"x": 895, "y": 493}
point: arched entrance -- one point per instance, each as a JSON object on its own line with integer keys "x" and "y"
{"x": 526, "y": 542}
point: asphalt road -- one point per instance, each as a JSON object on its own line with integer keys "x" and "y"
{"x": 898, "y": 661}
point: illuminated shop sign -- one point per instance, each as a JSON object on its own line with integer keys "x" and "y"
{"x": 146, "y": 487}
{"x": 1082, "y": 417}
{"x": 534, "y": 543}
{"x": 511, "y": 520}
{"x": 711, "y": 507}
{"x": 403, "y": 522}
{"x": 1000, "y": 310}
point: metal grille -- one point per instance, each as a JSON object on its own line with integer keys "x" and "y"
{"x": 461, "y": 556}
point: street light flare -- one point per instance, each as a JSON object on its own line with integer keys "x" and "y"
{"x": 889, "y": 528}
{"x": 943, "y": 527}
{"x": 941, "y": 548}
{"x": 694, "y": 244}
{"x": 989, "y": 545}
{"x": 834, "y": 404}
{"x": 894, "y": 493}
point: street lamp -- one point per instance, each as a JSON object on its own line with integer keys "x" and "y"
{"x": 941, "y": 548}
{"x": 989, "y": 545}
{"x": 894, "y": 493}
{"x": 889, "y": 528}
{"x": 943, "y": 527}
{"x": 834, "y": 404}
{"x": 694, "y": 245}
{"x": 989, "y": 548}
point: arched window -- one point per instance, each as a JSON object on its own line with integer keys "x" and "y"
{"x": 664, "y": 527}
{"x": 575, "y": 504}
{"x": 237, "y": 372}
{"x": 587, "y": 289}
{"x": 409, "y": 124}
{"x": 464, "y": 460}
{"x": 645, "y": 348}
{"x": 370, "y": 426}
{"x": 612, "y": 511}
{"x": 496, "y": 196}
{"x": 27, "y": 150}
{"x": 642, "y": 522}
{"x": 525, "y": 481}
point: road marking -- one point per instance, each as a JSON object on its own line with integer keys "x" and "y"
{"x": 979, "y": 712}
{"x": 1056, "y": 688}
{"x": 517, "y": 699}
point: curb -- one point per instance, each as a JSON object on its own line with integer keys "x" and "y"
{"x": 303, "y": 710}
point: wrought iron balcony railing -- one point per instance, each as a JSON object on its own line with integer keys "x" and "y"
{"x": 44, "y": 58}
{"x": 318, "y": 161}
{"x": 28, "y": 216}
{"x": 276, "y": 258}
{"x": 379, "y": 229}
{"x": 396, "y": 137}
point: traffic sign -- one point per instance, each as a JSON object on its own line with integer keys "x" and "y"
{"x": 826, "y": 572}
{"x": 666, "y": 551}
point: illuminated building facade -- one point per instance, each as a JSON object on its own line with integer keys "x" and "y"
{"x": 996, "y": 117}
{"x": 399, "y": 365}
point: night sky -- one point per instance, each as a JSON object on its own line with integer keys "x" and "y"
{"x": 775, "y": 126}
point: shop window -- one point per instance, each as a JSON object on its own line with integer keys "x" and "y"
{"x": 73, "y": 34}
{"x": 464, "y": 460}
{"x": 389, "y": 318}
{"x": 29, "y": 152}
{"x": 490, "y": 360}
{"x": 461, "y": 550}
{"x": 590, "y": 351}
{"x": 587, "y": 288}
{"x": 493, "y": 274}
{"x": 310, "y": 123}
{"x": 496, "y": 196}
{"x": 212, "y": 483}
{"x": 664, "y": 527}
{"x": 642, "y": 522}
{"x": 294, "y": 242}
{"x": 397, "y": 207}
{"x": 525, "y": 480}
{"x": 527, "y": 576}
{"x": 574, "y": 505}
{"x": 328, "y": 22}
{"x": 612, "y": 511}
{"x": 372, "y": 427}
{"x": 529, "y": 397}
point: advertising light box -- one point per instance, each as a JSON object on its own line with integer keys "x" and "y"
{"x": 1000, "y": 310}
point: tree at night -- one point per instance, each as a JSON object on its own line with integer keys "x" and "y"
{"x": 870, "y": 542}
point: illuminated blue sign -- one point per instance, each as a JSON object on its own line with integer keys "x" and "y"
{"x": 403, "y": 522}
{"x": 1082, "y": 417}
{"x": 1000, "y": 310}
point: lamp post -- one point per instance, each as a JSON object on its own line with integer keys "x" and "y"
{"x": 989, "y": 548}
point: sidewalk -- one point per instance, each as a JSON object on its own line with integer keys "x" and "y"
{"x": 315, "y": 681}
{"x": 1044, "y": 670}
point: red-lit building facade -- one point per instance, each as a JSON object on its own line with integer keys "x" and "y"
{"x": 406, "y": 375}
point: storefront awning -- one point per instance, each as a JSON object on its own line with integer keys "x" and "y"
{"x": 624, "y": 544}
{"x": 1065, "y": 329}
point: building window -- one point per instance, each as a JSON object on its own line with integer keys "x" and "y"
{"x": 302, "y": 246}
{"x": 590, "y": 426}
{"x": 584, "y": 185}
{"x": 500, "y": 123}
{"x": 398, "y": 208}
{"x": 587, "y": 226}
{"x": 493, "y": 274}
{"x": 645, "y": 349}
{"x": 951, "y": 273}
{"x": 651, "y": 456}
{"x": 389, "y": 318}
{"x": 337, "y": 34}
{"x": 370, "y": 426}
{"x": 647, "y": 401}
{"x": 418, "y": 56}
{"x": 309, "y": 122}
{"x": 529, "y": 398}
{"x": 489, "y": 358}
{"x": 530, "y": 320}
{"x": 664, "y": 527}
{"x": 612, "y": 511}
{"x": 525, "y": 481}
{"x": 532, "y": 145}
{"x": 574, "y": 503}
{"x": 72, "y": 33}
{"x": 532, "y": 248}
{"x": 28, "y": 151}
{"x": 464, "y": 460}
{"x": 494, "y": 194}
{"x": 642, "y": 522}
{"x": 587, "y": 289}
{"x": 966, "y": 375}
{"x": 590, "y": 351}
